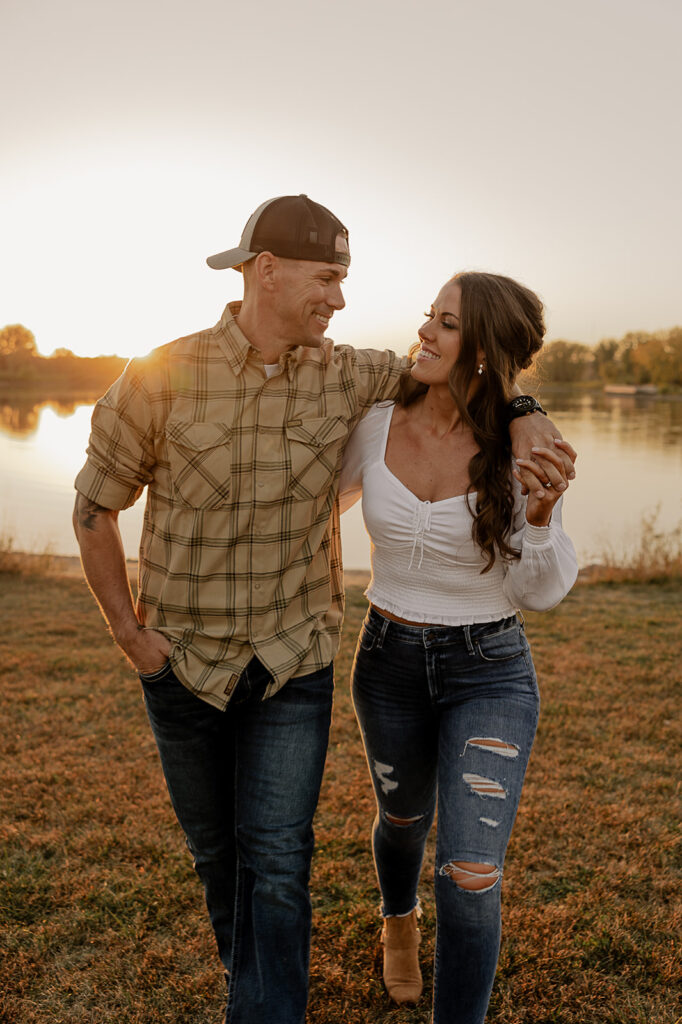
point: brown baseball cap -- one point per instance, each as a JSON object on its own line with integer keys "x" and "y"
{"x": 293, "y": 227}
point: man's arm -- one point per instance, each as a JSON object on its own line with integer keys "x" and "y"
{"x": 380, "y": 372}
{"x": 535, "y": 431}
{"x": 105, "y": 569}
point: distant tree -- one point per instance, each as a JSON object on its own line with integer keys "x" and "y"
{"x": 22, "y": 366}
{"x": 565, "y": 361}
{"x": 647, "y": 357}
{"x": 15, "y": 339}
{"x": 606, "y": 365}
{"x": 673, "y": 370}
{"x": 641, "y": 358}
{"x": 631, "y": 371}
{"x": 657, "y": 358}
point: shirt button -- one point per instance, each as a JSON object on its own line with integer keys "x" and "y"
{"x": 256, "y": 586}
{"x": 260, "y": 483}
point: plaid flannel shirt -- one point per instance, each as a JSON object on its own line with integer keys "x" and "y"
{"x": 240, "y": 552}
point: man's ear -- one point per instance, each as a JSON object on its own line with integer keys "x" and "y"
{"x": 265, "y": 266}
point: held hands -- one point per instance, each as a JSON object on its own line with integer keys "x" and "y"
{"x": 529, "y": 433}
{"x": 549, "y": 480}
{"x": 544, "y": 464}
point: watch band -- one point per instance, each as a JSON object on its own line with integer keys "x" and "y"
{"x": 523, "y": 405}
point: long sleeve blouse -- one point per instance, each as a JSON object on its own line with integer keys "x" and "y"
{"x": 425, "y": 564}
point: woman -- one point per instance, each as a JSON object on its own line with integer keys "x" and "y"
{"x": 443, "y": 683}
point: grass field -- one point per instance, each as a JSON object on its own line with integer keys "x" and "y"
{"x": 102, "y": 919}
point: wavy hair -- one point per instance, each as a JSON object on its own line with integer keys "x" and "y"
{"x": 504, "y": 320}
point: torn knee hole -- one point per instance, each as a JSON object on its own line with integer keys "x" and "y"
{"x": 493, "y": 746}
{"x": 472, "y": 876}
{"x": 395, "y": 820}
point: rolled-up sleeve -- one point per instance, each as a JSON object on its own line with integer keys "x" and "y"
{"x": 120, "y": 453}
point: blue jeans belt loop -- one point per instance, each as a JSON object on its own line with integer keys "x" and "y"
{"x": 467, "y": 638}
{"x": 382, "y": 632}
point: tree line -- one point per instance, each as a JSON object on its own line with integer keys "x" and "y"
{"x": 23, "y": 367}
{"x": 637, "y": 358}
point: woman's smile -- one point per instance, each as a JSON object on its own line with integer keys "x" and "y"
{"x": 426, "y": 353}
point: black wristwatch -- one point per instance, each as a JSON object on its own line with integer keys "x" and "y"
{"x": 523, "y": 405}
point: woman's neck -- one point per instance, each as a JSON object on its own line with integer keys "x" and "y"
{"x": 436, "y": 412}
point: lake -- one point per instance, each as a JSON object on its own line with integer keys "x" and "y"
{"x": 629, "y": 466}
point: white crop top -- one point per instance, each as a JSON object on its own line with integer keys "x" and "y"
{"x": 425, "y": 564}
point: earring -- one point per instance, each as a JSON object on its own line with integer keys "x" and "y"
{"x": 480, "y": 369}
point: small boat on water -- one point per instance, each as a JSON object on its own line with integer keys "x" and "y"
{"x": 630, "y": 389}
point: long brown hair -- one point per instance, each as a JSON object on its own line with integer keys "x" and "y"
{"x": 503, "y": 320}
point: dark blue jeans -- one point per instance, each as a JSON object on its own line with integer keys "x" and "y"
{"x": 447, "y": 714}
{"x": 244, "y": 784}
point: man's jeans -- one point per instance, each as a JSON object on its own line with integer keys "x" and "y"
{"x": 244, "y": 784}
{"x": 450, "y": 711}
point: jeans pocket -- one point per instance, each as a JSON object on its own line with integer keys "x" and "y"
{"x": 154, "y": 677}
{"x": 368, "y": 637}
{"x": 503, "y": 645}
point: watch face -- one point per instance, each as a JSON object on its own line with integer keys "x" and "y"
{"x": 522, "y": 405}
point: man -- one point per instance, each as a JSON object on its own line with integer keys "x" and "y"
{"x": 238, "y": 432}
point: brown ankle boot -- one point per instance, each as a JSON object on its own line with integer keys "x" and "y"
{"x": 402, "y": 977}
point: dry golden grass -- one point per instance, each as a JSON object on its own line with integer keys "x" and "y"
{"x": 15, "y": 562}
{"x": 103, "y": 921}
{"x": 655, "y": 555}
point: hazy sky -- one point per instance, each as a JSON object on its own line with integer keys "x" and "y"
{"x": 538, "y": 139}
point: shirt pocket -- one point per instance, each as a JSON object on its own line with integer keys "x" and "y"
{"x": 200, "y": 456}
{"x": 315, "y": 447}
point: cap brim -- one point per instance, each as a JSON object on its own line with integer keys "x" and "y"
{"x": 230, "y": 258}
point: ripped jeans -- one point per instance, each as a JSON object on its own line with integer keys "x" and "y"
{"x": 447, "y": 711}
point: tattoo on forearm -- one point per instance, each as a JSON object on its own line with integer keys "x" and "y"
{"x": 87, "y": 512}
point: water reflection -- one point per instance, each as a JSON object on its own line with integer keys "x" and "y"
{"x": 635, "y": 418}
{"x": 22, "y": 418}
{"x": 630, "y": 462}
{"x": 632, "y": 418}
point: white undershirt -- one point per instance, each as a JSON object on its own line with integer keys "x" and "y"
{"x": 425, "y": 564}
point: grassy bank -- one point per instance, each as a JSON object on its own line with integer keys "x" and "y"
{"x": 102, "y": 919}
